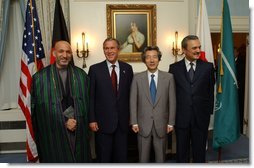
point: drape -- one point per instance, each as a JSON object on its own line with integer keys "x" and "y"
{"x": 4, "y": 15}
{"x": 11, "y": 42}
{"x": 46, "y": 11}
{"x": 10, "y": 69}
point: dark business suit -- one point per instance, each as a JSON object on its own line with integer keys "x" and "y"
{"x": 194, "y": 104}
{"x": 111, "y": 112}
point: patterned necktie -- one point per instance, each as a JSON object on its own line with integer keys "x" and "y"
{"x": 191, "y": 71}
{"x": 152, "y": 88}
{"x": 114, "y": 79}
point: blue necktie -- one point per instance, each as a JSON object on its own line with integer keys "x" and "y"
{"x": 153, "y": 88}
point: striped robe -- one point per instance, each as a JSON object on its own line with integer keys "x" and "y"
{"x": 51, "y": 137}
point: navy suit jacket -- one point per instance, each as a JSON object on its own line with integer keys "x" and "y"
{"x": 107, "y": 109}
{"x": 196, "y": 98}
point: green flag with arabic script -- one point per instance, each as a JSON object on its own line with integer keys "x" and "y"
{"x": 226, "y": 120}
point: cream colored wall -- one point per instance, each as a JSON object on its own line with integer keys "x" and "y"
{"x": 90, "y": 17}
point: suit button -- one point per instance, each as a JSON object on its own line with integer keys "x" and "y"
{"x": 151, "y": 117}
{"x": 192, "y": 85}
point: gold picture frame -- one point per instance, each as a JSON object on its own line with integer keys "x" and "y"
{"x": 125, "y": 19}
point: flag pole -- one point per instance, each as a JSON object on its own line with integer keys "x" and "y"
{"x": 219, "y": 155}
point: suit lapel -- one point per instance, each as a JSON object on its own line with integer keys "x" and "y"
{"x": 121, "y": 78}
{"x": 160, "y": 83}
{"x": 145, "y": 83}
{"x": 183, "y": 70}
{"x": 197, "y": 71}
{"x": 105, "y": 73}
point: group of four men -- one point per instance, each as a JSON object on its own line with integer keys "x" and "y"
{"x": 66, "y": 102}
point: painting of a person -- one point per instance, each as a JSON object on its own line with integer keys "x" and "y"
{"x": 134, "y": 41}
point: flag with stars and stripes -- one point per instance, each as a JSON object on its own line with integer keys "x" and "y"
{"x": 32, "y": 60}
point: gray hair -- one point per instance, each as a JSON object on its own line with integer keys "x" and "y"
{"x": 187, "y": 38}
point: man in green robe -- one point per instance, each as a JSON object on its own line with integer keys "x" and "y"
{"x": 59, "y": 107}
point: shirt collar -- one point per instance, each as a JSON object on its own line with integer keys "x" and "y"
{"x": 187, "y": 62}
{"x": 109, "y": 64}
{"x": 155, "y": 73}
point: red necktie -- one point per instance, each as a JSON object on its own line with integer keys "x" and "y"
{"x": 114, "y": 79}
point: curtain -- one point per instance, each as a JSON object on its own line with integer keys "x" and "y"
{"x": 10, "y": 71}
{"x": 46, "y": 11}
{"x": 22, "y": 4}
{"x": 11, "y": 45}
{"x": 4, "y": 15}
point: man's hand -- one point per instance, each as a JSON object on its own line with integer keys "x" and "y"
{"x": 71, "y": 124}
{"x": 94, "y": 126}
{"x": 135, "y": 128}
{"x": 170, "y": 129}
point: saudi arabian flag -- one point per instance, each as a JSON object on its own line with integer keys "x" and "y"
{"x": 226, "y": 121}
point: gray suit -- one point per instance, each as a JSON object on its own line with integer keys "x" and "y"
{"x": 152, "y": 118}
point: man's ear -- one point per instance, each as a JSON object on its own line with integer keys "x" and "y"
{"x": 183, "y": 50}
{"x": 54, "y": 52}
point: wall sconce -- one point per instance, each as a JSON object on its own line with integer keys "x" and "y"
{"x": 84, "y": 53}
{"x": 175, "y": 49}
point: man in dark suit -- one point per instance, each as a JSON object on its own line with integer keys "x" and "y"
{"x": 240, "y": 74}
{"x": 194, "y": 80}
{"x": 109, "y": 104}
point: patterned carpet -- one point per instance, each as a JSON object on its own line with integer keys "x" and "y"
{"x": 244, "y": 160}
{"x": 237, "y": 152}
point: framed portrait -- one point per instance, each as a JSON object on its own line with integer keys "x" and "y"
{"x": 134, "y": 25}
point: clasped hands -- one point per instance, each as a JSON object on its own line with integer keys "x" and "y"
{"x": 71, "y": 124}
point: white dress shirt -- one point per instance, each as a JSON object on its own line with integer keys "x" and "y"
{"x": 188, "y": 66}
{"x": 155, "y": 77}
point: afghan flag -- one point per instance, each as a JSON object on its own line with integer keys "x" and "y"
{"x": 226, "y": 121}
{"x": 60, "y": 31}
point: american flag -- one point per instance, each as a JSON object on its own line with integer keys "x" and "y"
{"x": 32, "y": 60}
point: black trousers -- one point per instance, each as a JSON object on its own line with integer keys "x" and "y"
{"x": 194, "y": 138}
{"x": 111, "y": 148}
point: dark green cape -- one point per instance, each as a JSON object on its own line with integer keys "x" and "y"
{"x": 48, "y": 122}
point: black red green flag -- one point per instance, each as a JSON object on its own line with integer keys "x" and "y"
{"x": 60, "y": 31}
